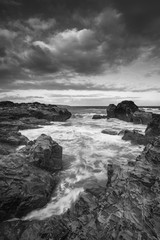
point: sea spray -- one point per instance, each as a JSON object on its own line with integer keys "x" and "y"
{"x": 86, "y": 154}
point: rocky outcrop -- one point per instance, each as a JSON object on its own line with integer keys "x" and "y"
{"x": 136, "y": 137}
{"x": 99, "y": 117}
{"x": 24, "y": 183}
{"x": 123, "y": 111}
{"x": 153, "y": 128}
{"x": 129, "y": 111}
{"x": 152, "y": 131}
{"x": 126, "y": 208}
{"x": 10, "y": 139}
{"x": 13, "y": 138}
{"x": 111, "y": 111}
{"x": 20, "y": 116}
{"x": 142, "y": 117}
{"x": 23, "y": 187}
{"x": 44, "y": 153}
{"x": 10, "y": 111}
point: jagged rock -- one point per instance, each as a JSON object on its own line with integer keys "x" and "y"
{"x": 122, "y": 111}
{"x": 111, "y": 111}
{"x": 99, "y": 117}
{"x": 153, "y": 128}
{"x": 46, "y": 153}
{"x": 23, "y": 187}
{"x": 142, "y": 117}
{"x": 14, "y": 111}
{"x": 110, "y": 132}
{"x": 135, "y": 137}
{"x": 125, "y": 110}
{"x": 12, "y": 138}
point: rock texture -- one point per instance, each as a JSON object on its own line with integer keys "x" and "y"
{"x": 136, "y": 137}
{"x": 153, "y": 128}
{"x": 10, "y": 111}
{"x": 129, "y": 111}
{"x": 127, "y": 208}
{"x": 142, "y": 117}
{"x": 20, "y": 116}
{"x": 152, "y": 131}
{"x": 123, "y": 111}
{"x": 24, "y": 183}
{"x": 45, "y": 153}
{"x": 99, "y": 117}
{"x": 110, "y": 132}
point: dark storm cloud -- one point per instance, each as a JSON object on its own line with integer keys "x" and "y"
{"x": 41, "y": 37}
{"x": 139, "y": 15}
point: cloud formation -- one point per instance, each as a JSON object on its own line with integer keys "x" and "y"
{"x": 49, "y": 44}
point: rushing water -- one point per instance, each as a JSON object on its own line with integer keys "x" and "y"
{"x": 86, "y": 153}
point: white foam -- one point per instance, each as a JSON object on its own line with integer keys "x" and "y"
{"x": 56, "y": 207}
{"x": 91, "y": 150}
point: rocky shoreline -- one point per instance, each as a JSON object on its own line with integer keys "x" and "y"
{"x": 126, "y": 208}
{"x": 27, "y": 175}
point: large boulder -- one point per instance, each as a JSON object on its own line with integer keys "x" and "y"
{"x": 23, "y": 187}
{"x": 46, "y": 153}
{"x": 111, "y": 111}
{"x": 123, "y": 111}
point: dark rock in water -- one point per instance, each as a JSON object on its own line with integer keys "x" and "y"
{"x": 24, "y": 183}
{"x": 46, "y": 154}
{"x": 153, "y": 128}
{"x": 99, "y": 117}
{"x": 20, "y": 116}
{"x": 23, "y": 187}
{"x": 135, "y": 137}
{"x": 111, "y": 111}
{"x": 110, "y": 132}
{"x": 14, "y": 111}
{"x": 128, "y": 111}
{"x": 125, "y": 110}
{"x": 142, "y": 117}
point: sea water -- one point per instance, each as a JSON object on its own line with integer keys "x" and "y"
{"x": 86, "y": 153}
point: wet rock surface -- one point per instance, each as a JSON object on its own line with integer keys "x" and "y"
{"x": 129, "y": 111}
{"x": 142, "y": 117}
{"x": 44, "y": 153}
{"x": 153, "y": 128}
{"x": 123, "y": 111}
{"x": 110, "y": 132}
{"x": 20, "y": 116}
{"x": 99, "y": 117}
{"x": 10, "y": 111}
{"x": 136, "y": 137}
{"x": 24, "y": 183}
{"x": 126, "y": 208}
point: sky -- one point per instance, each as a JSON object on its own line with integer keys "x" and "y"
{"x": 80, "y": 52}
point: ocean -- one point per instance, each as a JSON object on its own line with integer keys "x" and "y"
{"x": 86, "y": 153}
